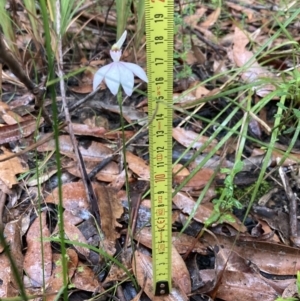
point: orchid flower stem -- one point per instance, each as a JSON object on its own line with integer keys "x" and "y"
{"x": 120, "y": 102}
{"x": 130, "y": 212}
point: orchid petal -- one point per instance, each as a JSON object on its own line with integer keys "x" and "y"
{"x": 137, "y": 70}
{"x": 127, "y": 79}
{"x": 112, "y": 78}
{"x": 121, "y": 41}
{"x": 115, "y": 55}
{"x": 99, "y": 75}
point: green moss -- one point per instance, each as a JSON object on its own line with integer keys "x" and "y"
{"x": 243, "y": 194}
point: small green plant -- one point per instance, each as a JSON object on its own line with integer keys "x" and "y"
{"x": 224, "y": 205}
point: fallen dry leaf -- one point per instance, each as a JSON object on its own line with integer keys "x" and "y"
{"x": 109, "y": 172}
{"x": 129, "y": 113}
{"x": 95, "y": 151}
{"x": 138, "y": 166}
{"x": 10, "y": 168}
{"x": 197, "y": 182}
{"x": 271, "y": 258}
{"x": 111, "y": 209}
{"x": 8, "y": 115}
{"x": 9, "y": 285}
{"x": 18, "y": 131}
{"x": 74, "y": 234}
{"x": 116, "y": 273}
{"x": 73, "y": 197}
{"x": 211, "y": 19}
{"x": 180, "y": 274}
{"x": 74, "y": 201}
{"x": 239, "y": 280}
{"x": 7, "y": 289}
{"x": 55, "y": 282}
{"x": 120, "y": 180}
{"x": 253, "y": 72}
{"x": 191, "y": 139}
{"x": 182, "y": 242}
{"x": 100, "y": 132}
{"x": 85, "y": 279}
{"x": 143, "y": 271}
{"x": 202, "y": 212}
{"x": 36, "y": 266}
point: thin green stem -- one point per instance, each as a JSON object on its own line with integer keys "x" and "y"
{"x": 51, "y": 75}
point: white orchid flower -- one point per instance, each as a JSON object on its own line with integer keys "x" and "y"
{"x": 119, "y": 72}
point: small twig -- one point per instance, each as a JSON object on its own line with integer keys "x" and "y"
{"x": 215, "y": 47}
{"x": 292, "y": 204}
{"x": 78, "y": 103}
{"x": 2, "y": 204}
{"x": 100, "y": 166}
{"x": 135, "y": 198}
{"x": 33, "y": 146}
{"x": 8, "y": 59}
{"x": 108, "y": 159}
{"x": 38, "y": 91}
{"x": 120, "y": 293}
{"x": 86, "y": 181}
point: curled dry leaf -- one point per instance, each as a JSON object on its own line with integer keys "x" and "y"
{"x": 116, "y": 273}
{"x": 197, "y": 182}
{"x": 18, "y": 131}
{"x": 211, "y": 19}
{"x": 271, "y": 258}
{"x": 241, "y": 8}
{"x": 73, "y": 196}
{"x": 95, "y": 151}
{"x": 35, "y": 265}
{"x": 241, "y": 56}
{"x": 10, "y": 168}
{"x": 129, "y": 113}
{"x": 109, "y": 173}
{"x": 85, "y": 279}
{"x": 75, "y": 234}
{"x": 182, "y": 242}
{"x": 74, "y": 201}
{"x": 7, "y": 289}
{"x": 138, "y": 165}
{"x": 245, "y": 286}
{"x": 120, "y": 180}
{"x": 189, "y": 138}
{"x": 239, "y": 280}
{"x": 180, "y": 170}
{"x": 42, "y": 178}
{"x": 56, "y": 280}
{"x": 202, "y": 212}
{"x": 258, "y": 156}
{"x": 100, "y": 132}
{"x": 8, "y": 115}
{"x": 111, "y": 209}
{"x": 192, "y": 20}
{"x": 180, "y": 274}
{"x": 82, "y": 89}
{"x": 9, "y": 285}
{"x": 87, "y": 130}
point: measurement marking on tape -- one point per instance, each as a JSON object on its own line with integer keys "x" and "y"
{"x": 159, "y": 33}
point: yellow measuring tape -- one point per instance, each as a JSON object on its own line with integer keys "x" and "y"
{"x": 159, "y": 16}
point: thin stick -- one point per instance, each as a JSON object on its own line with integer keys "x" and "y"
{"x": 87, "y": 186}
